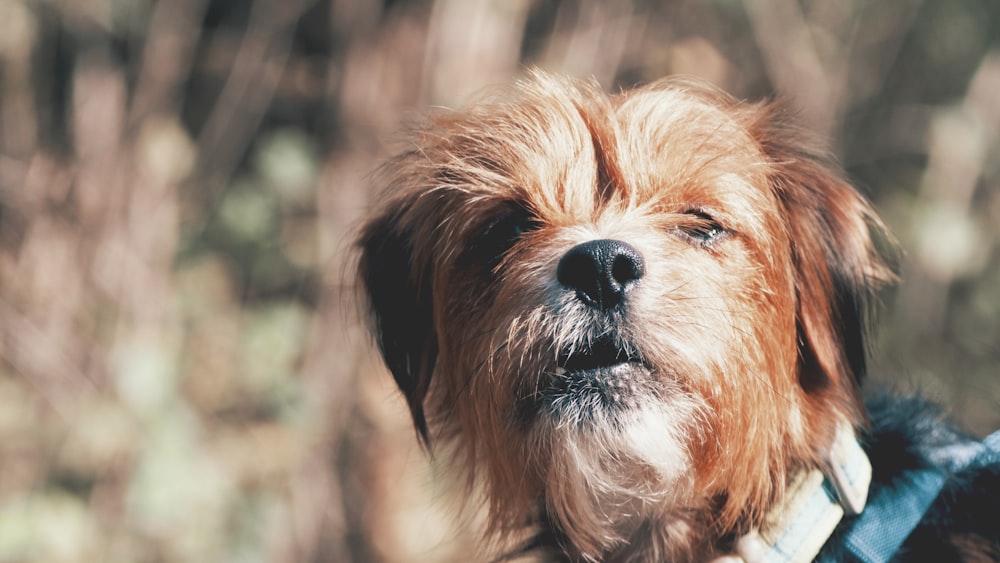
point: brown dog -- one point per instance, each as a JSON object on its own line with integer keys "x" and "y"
{"x": 632, "y": 322}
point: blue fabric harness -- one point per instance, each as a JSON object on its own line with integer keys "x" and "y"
{"x": 894, "y": 512}
{"x": 804, "y": 523}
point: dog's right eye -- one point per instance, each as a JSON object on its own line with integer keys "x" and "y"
{"x": 501, "y": 235}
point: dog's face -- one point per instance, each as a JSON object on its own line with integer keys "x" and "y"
{"x": 621, "y": 313}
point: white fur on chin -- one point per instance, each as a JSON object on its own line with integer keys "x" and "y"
{"x": 608, "y": 477}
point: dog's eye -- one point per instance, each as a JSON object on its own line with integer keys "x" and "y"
{"x": 508, "y": 229}
{"x": 501, "y": 235}
{"x": 700, "y": 227}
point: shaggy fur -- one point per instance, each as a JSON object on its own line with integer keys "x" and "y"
{"x": 625, "y": 320}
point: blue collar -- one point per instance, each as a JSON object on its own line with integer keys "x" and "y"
{"x": 815, "y": 503}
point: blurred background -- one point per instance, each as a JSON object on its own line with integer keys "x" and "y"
{"x": 184, "y": 372}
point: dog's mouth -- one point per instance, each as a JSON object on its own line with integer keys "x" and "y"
{"x": 601, "y": 354}
{"x": 606, "y": 376}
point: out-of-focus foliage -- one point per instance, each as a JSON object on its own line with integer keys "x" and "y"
{"x": 184, "y": 373}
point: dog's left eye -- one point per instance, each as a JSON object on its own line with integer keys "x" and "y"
{"x": 701, "y": 227}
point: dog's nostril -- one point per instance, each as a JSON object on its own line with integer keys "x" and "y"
{"x": 580, "y": 271}
{"x": 601, "y": 271}
{"x": 627, "y": 267}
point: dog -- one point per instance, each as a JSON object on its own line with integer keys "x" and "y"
{"x": 635, "y": 326}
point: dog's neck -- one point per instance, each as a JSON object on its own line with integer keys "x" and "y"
{"x": 794, "y": 530}
{"x": 816, "y": 501}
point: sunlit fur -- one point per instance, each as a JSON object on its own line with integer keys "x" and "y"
{"x": 753, "y": 340}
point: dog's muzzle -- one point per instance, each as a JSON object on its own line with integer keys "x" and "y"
{"x": 605, "y": 373}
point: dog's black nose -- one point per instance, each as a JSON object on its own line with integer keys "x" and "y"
{"x": 601, "y": 271}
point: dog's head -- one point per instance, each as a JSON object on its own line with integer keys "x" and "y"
{"x": 618, "y": 310}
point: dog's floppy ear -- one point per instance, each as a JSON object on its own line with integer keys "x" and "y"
{"x": 399, "y": 295}
{"x": 837, "y": 244}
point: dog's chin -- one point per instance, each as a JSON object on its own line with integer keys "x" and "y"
{"x": 602, "y": 393}
{"x": 617, "y": 443}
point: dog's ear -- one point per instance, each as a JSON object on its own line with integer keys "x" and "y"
{"x": 838, "y": 249}
{"x": 399, "y": 294}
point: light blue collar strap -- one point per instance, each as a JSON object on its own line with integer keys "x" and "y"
{"x": 892, "y": 514}
{"x": 991, "y": 450}
{"x": 795, "y": 530}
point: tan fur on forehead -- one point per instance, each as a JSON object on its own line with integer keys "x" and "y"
{"x": 757, "y": 340}
{"x": 566, "y": 149}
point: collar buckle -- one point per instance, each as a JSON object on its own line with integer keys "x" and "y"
{"x": 796, "y": 529}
